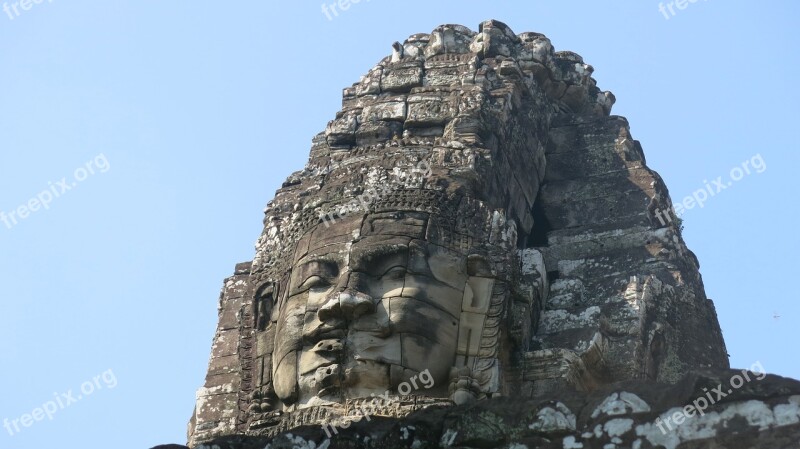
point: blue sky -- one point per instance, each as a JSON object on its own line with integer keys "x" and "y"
{"x": 180, "y": 120}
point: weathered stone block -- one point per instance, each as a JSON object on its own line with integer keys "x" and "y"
{"x": 450, "y": 70}
{"x": 394, "y": 109}
{"x": 429, "y": 109}
{"x": 402, "y": 76}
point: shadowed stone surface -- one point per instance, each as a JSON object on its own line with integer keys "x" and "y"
{"x": 470, "y": 258}
{"x": 763, "y": 414}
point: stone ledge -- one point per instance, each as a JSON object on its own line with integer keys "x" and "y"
{"x": 762, "y": 413}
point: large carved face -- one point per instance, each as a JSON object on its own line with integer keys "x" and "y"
{"x": 371, "y": 303}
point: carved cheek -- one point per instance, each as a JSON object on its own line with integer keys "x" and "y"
{"x": 420, "y": 354}
{"x": 435, "y": 293}
{"x": 317, "y": 297}
{"x": 289, "y": 333}
{"x": 287, "y": 346}
{"x": 428, "y": 335}
{"x": 386, "y": 288}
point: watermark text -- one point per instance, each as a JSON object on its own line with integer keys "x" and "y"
{"x": 60, "y": 402}
{"x": 55, "y": 190}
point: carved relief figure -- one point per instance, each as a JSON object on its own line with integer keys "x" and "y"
{"x": 380, "y": 297}
{"x": 525, "y": 260}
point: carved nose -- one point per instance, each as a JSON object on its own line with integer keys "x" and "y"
{"x": 348, "y": 305}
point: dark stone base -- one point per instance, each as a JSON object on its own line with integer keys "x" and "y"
{"x": 760, "y": 413}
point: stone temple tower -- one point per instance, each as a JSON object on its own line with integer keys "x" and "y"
{"x": 473, "y": 224}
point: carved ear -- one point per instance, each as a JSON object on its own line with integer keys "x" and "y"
{"x": 262, "y": 305}
{"x": 478, "y": 265}
{"x": 474, "y": 307}
{"x": 285, "y": 379}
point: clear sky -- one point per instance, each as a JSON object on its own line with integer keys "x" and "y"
{"x": 155, "y": 132}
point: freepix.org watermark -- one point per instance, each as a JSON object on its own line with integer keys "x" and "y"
{"x": 14, "y": 9}
{"x": 699, "y": 197}
{"x": 55, "y": 190}
{"x": 671, "y": 6}
{"x": 383, "y": 400}
{"x": 700, "y": 404}
{"x": 60, "y": 401}
{"x": 330, "y": 11}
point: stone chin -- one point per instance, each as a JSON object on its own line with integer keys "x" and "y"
{"x": 353, "y": 377}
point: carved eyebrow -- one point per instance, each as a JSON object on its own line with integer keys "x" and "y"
{"x": 325, "y": 258}
{"x": 324, "y": 267}
{"x": 376, "y": 261}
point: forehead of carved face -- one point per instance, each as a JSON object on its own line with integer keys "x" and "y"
{"x": 372, "y": 305}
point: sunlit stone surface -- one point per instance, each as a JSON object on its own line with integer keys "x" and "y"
{"x": 472, "y": 228}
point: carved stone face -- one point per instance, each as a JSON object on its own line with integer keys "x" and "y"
{"x": 370, "y": 304}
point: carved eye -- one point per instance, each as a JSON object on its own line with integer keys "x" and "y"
{"x": 314, "y": 282}
{"x": 394, "y": 273}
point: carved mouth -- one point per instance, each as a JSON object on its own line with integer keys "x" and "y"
{"x": 366, "y": 373}
{"x": 324, "y": 353}
{"x": 328, "y": 379}
{"x": 336, "y": 363}
{"x": 366, "y": 361}
{"x": 324, "y": 333}
{"x": 329, "y": 346}
{"x": 329, "y": 391}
